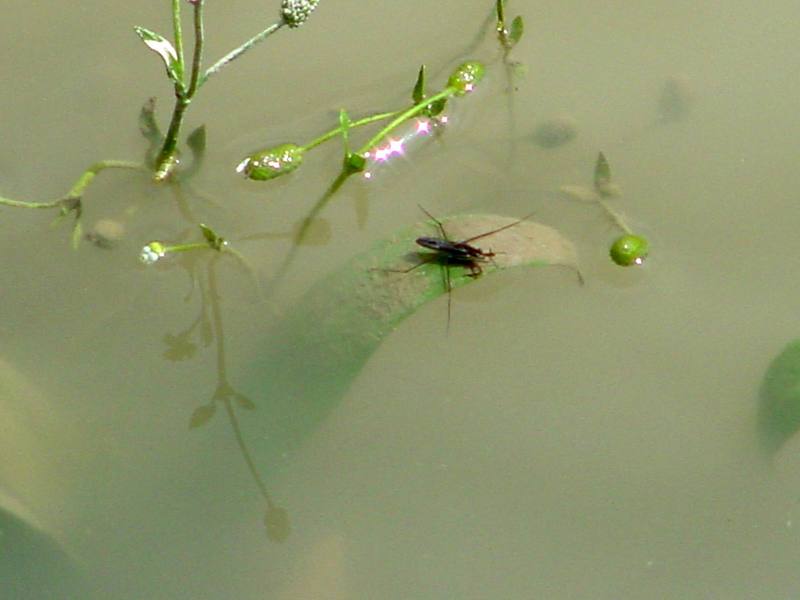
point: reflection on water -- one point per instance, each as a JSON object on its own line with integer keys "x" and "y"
{"x": 184, "y": 432}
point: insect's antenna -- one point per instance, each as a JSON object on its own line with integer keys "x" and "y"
{"x": 437, "y": 221}
{"x": 498, "y": 230}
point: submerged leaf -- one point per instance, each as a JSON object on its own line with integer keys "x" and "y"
{"x": 517, "y": 29}
{"x": 202, "y": 415}
{"x": 147, "y": 122}
{"x": 602, "y": 174}
{"x": 276, "y": 522}
{"x": 779, "y": 399}
{"x": 244, "y": 401}
{"x": 197, "y": 141}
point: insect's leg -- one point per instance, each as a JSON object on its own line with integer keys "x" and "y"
{"x": 449, "y": 289}
{"x": 475, "y": 270}
{"x": 439, "y": 225}
{"x": 424, "y": 260}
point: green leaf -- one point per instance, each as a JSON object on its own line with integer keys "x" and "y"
{"x": 215, "y": 241}
{"x": 517, "y": 29}
{"x": 602, "y": 175}
{"x": 501, "y": 19}
{"x": 418, "y": 95}
{"x": 161, "y": 46}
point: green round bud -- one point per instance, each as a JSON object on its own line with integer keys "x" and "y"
{"x": 629, "y": 249}
{"x": 466, "y": 77}
{"x": 272, "y": 162}
{"x": 296, "y": 12}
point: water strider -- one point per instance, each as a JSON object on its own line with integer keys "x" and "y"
{"x": 450, "y": 253}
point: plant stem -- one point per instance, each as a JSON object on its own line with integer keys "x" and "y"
{"x": 334, "y": 132}
{"x": 166, "y": 161}
{"x": 177, "y": 32}
{"x": 76, "y": 191}
{"x": 405, "y": 115}
{"x": 199, "y": 42}
{"x": 237, "y": 52}
{"x": 186, "y": 247}
{"x": 615, "y": 216}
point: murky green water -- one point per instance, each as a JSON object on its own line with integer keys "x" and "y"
{"x": 172, "y": 430}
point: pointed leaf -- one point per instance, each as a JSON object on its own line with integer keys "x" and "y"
{"x": 418, "y": 95}
{"x": 202, "y": 415}
{"x": 517, "y": 29}
{"x": 161, "y": 46}
{"x": 209, "y": 234}
{"x": 602, "y": 174}
{"x": 501, "y": 19}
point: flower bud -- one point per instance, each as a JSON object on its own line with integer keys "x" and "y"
{"x": 295, "y": 12}
{"x": 272, "y": 162}
{"x": 466, "y": 77}
{"x": 629, "y": 250}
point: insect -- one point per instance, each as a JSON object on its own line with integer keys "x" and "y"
{"x": 451, "y": 253}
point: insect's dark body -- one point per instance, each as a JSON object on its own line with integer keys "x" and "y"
{"x": 456, "y": 253}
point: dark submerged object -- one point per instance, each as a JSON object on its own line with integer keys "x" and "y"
{"x": 555, "y": 132}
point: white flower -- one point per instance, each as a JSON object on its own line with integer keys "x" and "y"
{"x": 152, "y": 252}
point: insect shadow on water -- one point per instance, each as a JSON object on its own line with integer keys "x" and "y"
{"x": 450, "y": 253}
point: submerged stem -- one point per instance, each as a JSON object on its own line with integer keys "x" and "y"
{"x": 614, "y": 215}
{"x": 76, "y": 191}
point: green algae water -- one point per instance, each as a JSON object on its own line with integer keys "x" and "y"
{"x": 207, "y": 428}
